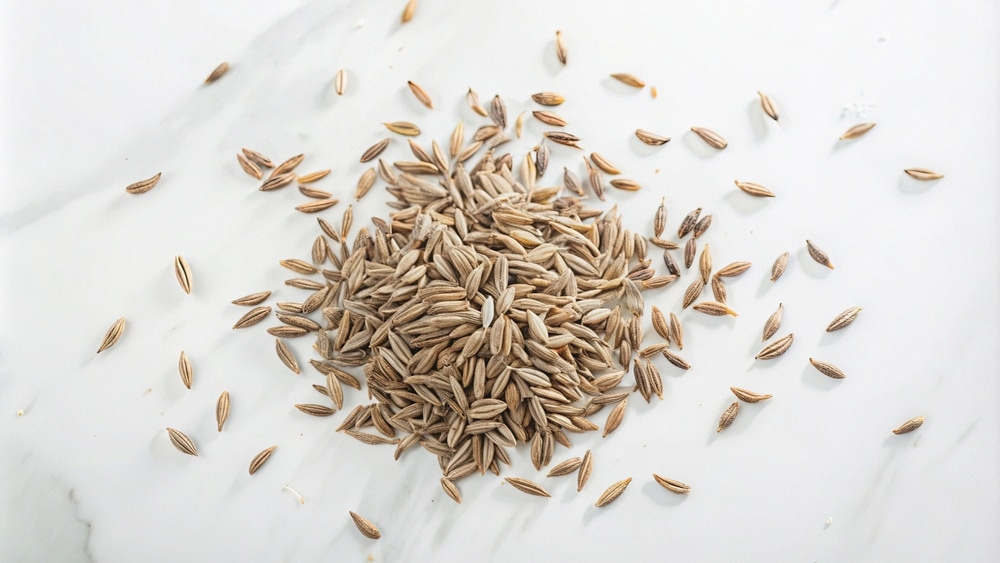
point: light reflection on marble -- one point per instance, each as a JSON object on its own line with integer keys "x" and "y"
{"x": 89, "y": 474}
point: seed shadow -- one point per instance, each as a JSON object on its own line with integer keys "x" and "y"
{"x": 745, "y": 204}
{"x": 912, "y": 186}
{"x": 813, "y": 378}
{"x": 549, "y": 59}
{"x": 766, "y": 284}
{"x": 830, "y": 338}
{"x": 620, "y": 88}
{"x": 662, "y": 496}
{"x": 698, "y": 146}
{"x": 642, "y": 149}
{"x": 758, "y": 120}
{"x": 811, "y": 267}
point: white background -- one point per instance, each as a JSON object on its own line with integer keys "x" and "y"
{"x": 101, "y": 94}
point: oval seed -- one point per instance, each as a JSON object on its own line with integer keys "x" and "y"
{"x": 728, "y": 416}
{"x": 113, "y": 335}
{"x": 923, "y": 174}
{"x": 827, "y": 369}
{"x": 612, "y": 493}
{"x": 403, "y": 128}
{"x": 856, "y": 131}
{"x": 260, "y": 459}
{"x": 909, "y": 425}
{"x": 628, "y": 79}
{"x": 776, "y": 348}
{"x": 366, "y": 527}
{"x": 843, "y": 319}
{"x": 767, "y": 104}
{"x": 818, "y": 254}
{"x": 713, "y": 139}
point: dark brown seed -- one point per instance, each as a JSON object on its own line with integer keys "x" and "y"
{"x": 701, "y": 226}
{"x": 688, "y": 223}
{"x": 315, "y": 410}
{"x": 549, "y": 118}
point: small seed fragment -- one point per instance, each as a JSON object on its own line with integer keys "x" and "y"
{"x": 827, "y": 369}
{"x": 143, "y": 186}
{"x": 628, "y": 79}
{"x": 527, "y": 486}
{"x": 693, "y": 292}
{"x": 767, "y": 104}
{"x": 773, "y": 323}
{"x": 420, "y": 94}
{"x": 182, "y": 442}
{"x": 403, "y": 128}
{"x": 366, "y": 527}
{"x": 755, "y": 190}
{"x": 341, "y": 82}
{"x": 818, "y": 255}
{"x": 728, "y": 416}
{"x": 612, "y": 493}
{"x": 222, "y": 410}
{"x": 217, "y": 73}
{"x": 183, "y": 272}
{"x": 843, "y": 319}
{"x": 748, "y": 396}
{"x": 548, "y": 98}
{"x": 909, "y": 425}
{"x": 185, "y": 370}
{"x": 651, "y": 138}
{"x": 408, "y": 11}
{"x": 779, "y": 266}
{"x": 776, "y": 348}
{"x": 713, "y": 139}
{"x": 113, "y": 334}
{"x": 672, "y": 485}
{"x": 923, "y": 174}
{"x": 856, "y": 131}
{"x": 261, "y": 458}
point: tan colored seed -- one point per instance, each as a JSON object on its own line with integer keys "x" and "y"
{"x": 843, "y": 319}
{"x": 675, "y": 359}
{"x": 345, "y": 223}
{"x": 143, "y": 186}
{"x": 728, "y": 416}
{"x": 660, "y": 219}
{"x": 748, "y": 396}
{"x": 628, "y": 79}
{"x": 615, "y": 418}
{"x": 856, "y": 131}
{"x": 818, "y": 254}
{"x": 548, "y": 98}
{"x": 261, "y": 458}
{"x": 923, "y": 174}
{"x": 341, "y": 82}
{"x": 672, "y": 485}
{"x": 366, "y": 527}
{"x": 472, "y": 98}
{"x": 519, "y": 124}
{"x": 288, "y": 165}
{"x": 375, "y": 150}
{"x": 773, "y": 323}
{"x": 565, "y": 467}
{"x": 705, "y": 263}
{"x": 185, "y": 370}
{"x": 755, "y": 190}
{"x": 626, "y": 185}
{"x": 285, "y": 355}
{"x": 909, "y": 425}
{"x": 248, "y": 166}
{"x": 527, "y": 486}
{"x": 403, "y": 128}
{"x": 688, "y": 223}
{"x": 313, "y": 176}
{"x": 733, "y": 269}
{"x": 779, "y": 266}
{"x": 334, "y": 390}
{"x": 585, "y": 468}
{"x": 498, "y": 112}
{"x": 222, "y": 410}
{"x": 278, "y": 181}
{"x": 112, "y": 335}
{"x": 604, "y": 164}
{"x": 714, "y": 308}
{"x": 317, "y": 205}
{"x": 767, "y": 104}
{"x": 315, "y": 410}
{"x": 182, "y": 442}
{"x": 457, "y": 139}
{"x": 183, "y": 272}
{"x": 660, "y": 324}
{"x": 365, "y": 183}
{"x": 560, "y": 48}
{"x": 690, "y": 247}
{"x": 651, "y": 138}
{"x": 776, "y": 348}
{"x": 713, "y": 139}
{"x": 298, "y": 266}
{"x": 252, "y": 299}
{"x": 258, "y": 158}
{"x": 701, "y": 226}
{"x": 420, "y": 94}
{"x": 693, "y": 292}
{"x": 653, "y": 92}
{"x": 217, "y": 73}
{"x": 612, "y": 493}
{"x": 563, "y": 138}
{"x": 827, "y": 369}
{"x": 718, "y": 289}
{"x": 549, "y": 118}
{"x": 451, "y": 490}
{"x": 676, "y": 331}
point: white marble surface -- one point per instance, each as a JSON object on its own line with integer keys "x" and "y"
{"x": 100, "y": 95}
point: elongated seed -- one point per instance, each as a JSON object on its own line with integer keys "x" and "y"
{"x": 713, "y": 139}
{"x": 403, "y": 128}
{"x": 625, "y": 184}
{"x": 249, "y": 166}
{"x": 277, "y": 181}
{"x": 660, "y": 324}
{"x": 728, "y": 416}
{"x": 315, "y": 410}
{"x": 340, "y": 83}
{"x": 676, "y": 331}
{"x": 705, "y": 263}
{"x": 778, "y": 268}
{"x": 451, "y": 490}
{"x": 182, "y": 442}
{"x": 856, "y": 131}
{"x": 143, "y": 186}
{"x": 222, "y": 410}
{"x": 252, "y": 317}
{"x": 719, "y": 289}
{"x": 827, "y": 369}
{"x": 688, "y": 223}
{"x": 185, "y": 370}
{"x": 843, "y": 319}
{"x": 560, "y": 48}
{"x": 261, "y": 458}
{"x": 672, "y": 485}
{"x": 748, "y": 396}
{"x": 755, "y": 190}
{"x": 217, "y": 73}
{"x": 183, "y": 272}
{"x": 773, "y": 323}
{"x": 651, "y": 138}
{"x": 615, "y": 418}
{"x": 112, "y": 335}
{"x": 584, "y": 473}
{"x": 818, "y": 254}
{"x": 317, "y": 205}
{"x": 923, "y": 174}
{"x": 472, "y": 98}
{"x": 565, "y": 467}
{"x": 548, "y": 98}
{"x": 660, "y": 219}
{"x": 286, "y": 356}
{"x": 612, "y": 493}
{"x": 527, "y": 486}
{"x": 693, "y": 292}
{"x": 375, "y": 150}
{"x": 909, "y": 425}
{"x": 420, "y": 94}
{"x": 313, "y": 176}
{"x": 776, "y": 348}
{"x": 498, "y": 112}
{"x": 767, "y": 104}
{"x": 549, "y": 118}
{"x": 714, "y": 308}
{"x": 258, "y": 158}
{"x": 628, "y": 79}
{"x": 733, "y": 269}
{"x": 365, "y": 526}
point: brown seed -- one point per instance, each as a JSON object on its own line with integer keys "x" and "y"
{"x": 909, "y": 425}
{"x": 365, "y": 183}
{"x": 259, "y": 459}
{"x": 403, "y": 128}
{"x": 542, "y": 155}
{"x": 563, "y": 138}
{"x": 676, "y": 331}
{"x": 527, "y": 486}
{"x": 672, "y": 485}
{"x": 733, "y": 269}
{"x": 549, "y": 118}
{"x": 669, "y": 261}
{"x": 714, "y": 308}
{"x": 626, "y": 185}
{"x": 498, "y": 112}
{"x": 713, "y": 139}
{"x": 114, "y": 333}
{"x": 701, "y": 226}
{"x": 313, "y": 176}
{"x": 728, "y": 416}
{"x": 755, "y": 190}
{"x": 843, "y": 319}
{"x": 277, "y": 182}
{"x": 773, "y": 323}
{"x": 317, "y": 205}
{"x": 472, "y": 98}
{"x": 182, "y": 442}
{"x": 718, "y": 289}
{"x": 615, "y": 418}
{"x": 705, "y": 263}
{"x": 334, "y": 390}
{"x": 222, "y": 410}
{"x": 288, "y": 165}
{"x": 183, "y": 272}
{"x": 566, "y": 467}
{"x": 660, "y": 324}
{"x": 628, "y": 79}
{"x": 420, "y": 94}
{"x": 675, "y": 359}
{"x": 818, "y": 255}
{"x": 923, "y": 174}
{"x": 660, "y": 219}
{"x": 286, "y": 356}
{"x": 767, "y": 104}
{"x": 688, "y": 223}
{"x": 451, "y": 490}
{"x": 596, "y": 183}
{"x": 341, "y": 82}
{"x": 827, "y": 369}
{"x": 690, "y": 247}
{"x": 519, "y": 124}
{"x": 748, "y": 396}
{"x": 560, "y": 48}
{"x": 776, "y": 348}
{"x": 585, "y": 468}
{"x": 368, "y": 529}
{"x": 258, "y": 158}
{"x": 857, "y": 131}
{"x": 185, "y": 369}
{"x": 285, "y": 331}
{"x": 693, "y": 292}
{"x": 612, "y": 493}
{"x": 375, "y": 150}
{"x": 779, "y": 266}
{"x": 298, "y": 266}
{"x": 457, "y": 139}
{"x": 315, "y": 410}
{"x": 248, "y": 166}
{"x": 217, "y": 73}
{"x": 143, "y": 186}
{"x": 548, "y": 98}
{"x": 651, "y": 138}
{"x": 571, "y": 182}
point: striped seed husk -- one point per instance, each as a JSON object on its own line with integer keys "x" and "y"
{"x": 286, "y": 356}
{"x": 909, "y": 425}
{"x": 615, "y": 418}
{"x": 818, "y": 254}
{"x": 690, "y": 248}
{"x": 315, "y": 410}
{"x": 313, "y": 176}
{"x": 278, "y": 181}
{"x": 728, "y": 416}
{"x": 748, "y": 396}
{"x": 733, "y": 269}
{"x": 451, "y": 490}
{"x": 693, "y": 292}
{"x": 856, "y": 131}
{"x": 548, "y": 98}
{"x": 778, "y": 268}
{"x": 472, "y": 98}
{"x": 365, "y": 526}
{"x": 404, "y": 128}
{"x": 843, "y": 319}
{"x": 626, "y": 185}
{"x": 712, "y": 138}
{"x": 672, "y": 485}
{"x": 373, "y": 151}
{"x": 261, "y": 458}
{"x": 651, "y": 139}
{"x": 549, "y": 118}
{"x": 182, "y": 442}
{"x": 676, "y": 331}
{"x": 705, "y": 263}
{"x": 612, "y": 493}
{"x": 827, "y": 369}
{"x": 560, "y": 48}
{"x": 628, "y": 79}
{"x": 249, "y": 166}
{"x": 287, "y": 166}
{"x": 688, "y": 223}
{"x": 258, "y": 158}
{"x": 222, "y": 410}
{"x": 714, "y": 308}
{"x": 719, "y": 289}
{"x": 112, "y": 335}
{"x": 183, "y": 272}
{"x": 660, "y": 219}
{"x": 773, "y": 323}
{"x": 604, "y": 164}
{"x": 185, "y": 370}
{"x": 420, "y": 94}
{"x": 565, "y": 467}
{"x": 143, "y": 186}
{"x": 753, "y": 189}
{"x": 217, "y": 73}
{"x": 586, "y": 466}
{"x": 923, "y": 174}
{"x": 527, "y": 486}
{"x": 776, "y": 348}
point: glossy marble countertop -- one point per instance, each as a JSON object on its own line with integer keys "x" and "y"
{"x": 99, "y": 96}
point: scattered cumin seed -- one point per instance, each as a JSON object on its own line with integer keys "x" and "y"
{"x": 748, "y": 396}
{"x": 728, "y": 416}
{"x": 261, "y": 458}
{"x": 856, "y": 131}
{"x": 818, "y": 254}
{"x": 143, "y": 186}
{"x": 755, "y": 190}
{"x": 365, "y": 526}
{"x": 776, "y": 348}
{"x": 909, "y": 425}
{"x": 612, "y": 493}
{"x": 651, "y": 138}
{"x": 778, "y": 268}
{"x": 560, "y": 48}
{"x": 628, "y": 79}
{"x": 182, "y": 442}
{"x": 773, "y": 323}
{"x": 340, "y": 84}
{"x": 584, "y": 472}
{"x": 923, "y": 174}
{"x": 827, "y": 369}
{"x": 420, "y": 94}
{"x": 843, "y": 319}
{"x": 112, "y": 335}
{"x": 527, "y": 486}
{"x": 222, "y": 410}
{"x": 672, "y": 485}
{"x": 185, "y": 370}
{"x": 548, "y": 98}
{"x": 217, "y": 73}
{"x": 183, "y": 272}
{"x": 767, "y": 105}
{"x": 713, "y": 139}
